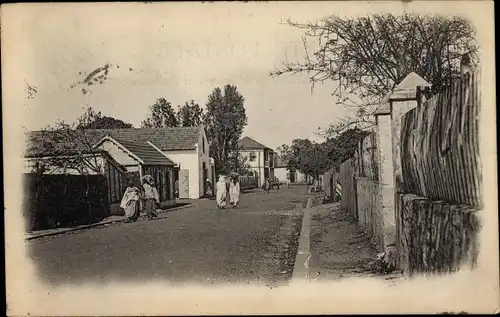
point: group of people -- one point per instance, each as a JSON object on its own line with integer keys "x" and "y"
{"x": 134, "y": 199}
{"x": 225, "y": 190}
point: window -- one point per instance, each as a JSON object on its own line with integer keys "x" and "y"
{"x": 252, "y": 156}
{"x": 203, "y": 143}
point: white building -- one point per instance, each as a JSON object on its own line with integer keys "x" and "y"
{"x": 281, "y": 171}
{"x": 117, "y": 160}
{"x": 259, "y": 157}
{"x": 186, "y": 147}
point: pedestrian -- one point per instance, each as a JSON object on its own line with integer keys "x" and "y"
{"x": 221, "y": 192}
{"x": 130, "y": 202}
{"x": 267, "y": 185}
{"x": 234, "y": 192}
{"x": 176, "y": 188}
{"x": 151, "y": 196}
{"x": 287, "y": 180}
{"x": 208, "y": 188}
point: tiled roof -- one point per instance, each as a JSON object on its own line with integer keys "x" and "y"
{"x": 249, "y": 143}
{"x": 166, "y": 139}
{"x": 147, "y": 153}
{"x": 181, "y": 138}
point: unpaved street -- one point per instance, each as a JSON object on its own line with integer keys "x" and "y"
{"x": 200, "y": 244}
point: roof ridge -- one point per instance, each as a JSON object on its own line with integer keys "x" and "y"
{"x": 250, "y": 139}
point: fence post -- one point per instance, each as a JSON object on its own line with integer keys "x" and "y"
{"x": 405, "y": 97}
{"x": 385, "y": 172}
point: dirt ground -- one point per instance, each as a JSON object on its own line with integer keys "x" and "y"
{"x": 339, "y": 247}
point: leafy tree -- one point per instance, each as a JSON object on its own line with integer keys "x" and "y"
{"x": 367, "y": 56}
{"x": 303, "y": 156}
{"x": 238, "y": 163}
{"x": 284, "y": 152}
{"x": 94, "y": 120}
{"x": 190, "y": 115}
{"x": 342, "y": 148}
{"x": 161, "y": 115}
{"x": 224, "y": 120}
{"x": 313, "y": 158}
{"x": 68, "y": 146}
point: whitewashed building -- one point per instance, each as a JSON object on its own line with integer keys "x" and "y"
{"x": 259, "y": 157}
{"x": 186, "y": 147}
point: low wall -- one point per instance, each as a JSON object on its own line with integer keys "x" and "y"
{"x": 435, "y": 236}
{"x": 369, "y": 211}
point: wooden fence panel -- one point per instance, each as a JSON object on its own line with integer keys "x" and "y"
{"x": 366, "y": 158}
{"x": 64, "y": 200}
{"x": 440, "y": 145}
{"x": 347, "y": 181}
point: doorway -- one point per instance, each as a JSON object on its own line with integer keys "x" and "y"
{"x": 205, "y": 177}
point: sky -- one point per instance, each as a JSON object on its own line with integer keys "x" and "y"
{"x": 178, "y": 51}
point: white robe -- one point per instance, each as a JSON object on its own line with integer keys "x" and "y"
{"x": 221, "y": 193}
{"x": 234, "y": 192}
{"x": 129, "y": 201}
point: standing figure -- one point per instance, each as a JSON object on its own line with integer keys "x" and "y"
{"x": 228, "y": 184}
{"x": 234, "y": 192}
{"x": 267, "y": 185}
{"x": 221, "y": 192}
{"x": 151, "y": 197}
{"x": 208, "y": 188}
{"x": 176, "y": 188}
{"x": 288, "y": 180}
{"x": 130, "y": 202}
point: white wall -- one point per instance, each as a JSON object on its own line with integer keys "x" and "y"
{"x": 256, "y": 165}
{"x": 259, "y": 157}
{"x": 188, "y": 159}
{"x": 281, "y": 172}
{"x": 203, "y": 157}
{"x": 122, "y": 157}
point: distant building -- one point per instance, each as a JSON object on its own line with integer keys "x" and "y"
{"x": 283, "y": 173}
{"x": 281, "y": 170}
{"x": 142, "y": 158}
{"x": 260, "y": 158}
{"x": 186, "y": 147}
{"x": 117, "y": 160}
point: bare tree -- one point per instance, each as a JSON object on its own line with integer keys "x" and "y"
{"x": 66, "y": 147}
{"x": 367, "y": 56}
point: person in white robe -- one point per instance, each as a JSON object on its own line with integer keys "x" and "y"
{"x": 234, "y": 192}
{"x": 130, "y": 202}
{"x": 221, "y": 192}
